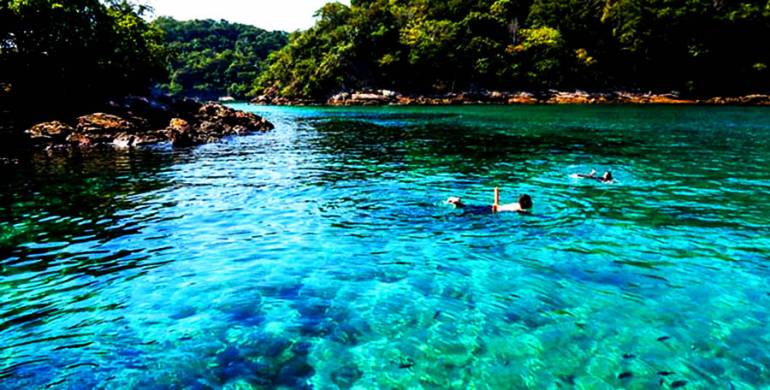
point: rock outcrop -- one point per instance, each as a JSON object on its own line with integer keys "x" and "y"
{"x": 138, "y": 121}
{"x": 748, "y": 100}
{"x": 55, "y": 131}
{"x": 103, "y": 123}
{"x": 385, "y": 97}
{"x": 364, "y": 98}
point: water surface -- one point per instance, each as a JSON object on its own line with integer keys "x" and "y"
{"x": 321, "y": 255}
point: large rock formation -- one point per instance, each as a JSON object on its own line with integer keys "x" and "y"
{"x": 137, "y": 121}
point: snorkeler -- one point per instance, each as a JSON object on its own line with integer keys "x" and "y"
{"x": 606, "y": 178}
{"x": 524, "y": 205}
{"x": 456, "y": 201}
{"x": 591, "y": 175}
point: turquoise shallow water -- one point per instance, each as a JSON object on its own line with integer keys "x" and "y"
{"x": 320, "y": 255}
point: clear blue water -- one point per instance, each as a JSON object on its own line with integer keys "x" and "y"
{"x": 321, "y": 255}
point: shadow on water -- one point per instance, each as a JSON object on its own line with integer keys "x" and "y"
{"x": 473, "y": 149}
{"x": 59, "y": 211}
{"x": 60, "y": 196}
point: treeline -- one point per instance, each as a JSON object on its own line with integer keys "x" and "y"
{"x": 211, "y": 58}
{"x": 57, "y": 56}
{"x": 60, "y": 56}
{"x": 697, "y": 47}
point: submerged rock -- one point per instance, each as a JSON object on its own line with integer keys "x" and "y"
{"x": 346, "y": 376}
{"x": 295, "y": 372}
{"x": 183, "y": 312}
{"x": 406, "y": 362}
{"x": 274, "y": 347}
{"x": 302, "y": 348}
{"x": 229, "y": 355}
{"x": 625, "y": 375}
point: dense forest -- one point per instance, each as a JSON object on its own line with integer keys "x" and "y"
{"x": 58, "y": 56}
{"x": 66, "y": 55}
{"x": 696, "y": 47}
{"x": 71, "y": 56}
{"x": 211, "y": 58}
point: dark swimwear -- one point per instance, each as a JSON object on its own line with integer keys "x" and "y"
{"x": 597, "y": 178}
{"x": 476, "y": 210}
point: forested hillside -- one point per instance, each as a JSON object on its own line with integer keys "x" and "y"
{"x": 695, "y": 47}
{"x": 59, "y": 55}
{"x": 215, "y": 58}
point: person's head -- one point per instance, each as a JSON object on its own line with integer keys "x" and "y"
{"x": 525, "y": 202}
{"x": 607, "y": 176}
{"x": 455, "y": 200}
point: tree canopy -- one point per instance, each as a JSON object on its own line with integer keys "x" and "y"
{"x": 68, "y": 54}
{"x": 693, "y": 46}
{"x": 215, "y": 58}
{"x": 60, "y": 54}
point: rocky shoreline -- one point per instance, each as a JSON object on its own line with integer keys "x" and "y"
{"x": 135, "y": 121}
{"x": 386, "y": 97}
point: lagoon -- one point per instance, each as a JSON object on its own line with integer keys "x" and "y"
{"x": 321, "y": 254}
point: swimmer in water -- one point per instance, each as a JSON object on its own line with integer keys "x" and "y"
{"x": 591, "y": 175}
{"x": 456, "y": 201}
{"x": 524, "y": 205}
{"x": 606, "y": 178}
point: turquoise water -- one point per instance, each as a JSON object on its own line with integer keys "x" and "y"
{"x": 321, "y": 255}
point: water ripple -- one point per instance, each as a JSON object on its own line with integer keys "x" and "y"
{"x": 321, "y": 254}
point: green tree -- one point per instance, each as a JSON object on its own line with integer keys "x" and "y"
{"x": 316, "y": 61}
{"x": 684, "y": 45}
{"x": 67, "y": 55}
{"x": 438, "y": 46}
{"x": 215, "y": 58}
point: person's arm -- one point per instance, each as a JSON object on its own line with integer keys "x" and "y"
{"x": 496, "y": 205}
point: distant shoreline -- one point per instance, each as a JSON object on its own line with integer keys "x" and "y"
{"x": 392, "y": 98}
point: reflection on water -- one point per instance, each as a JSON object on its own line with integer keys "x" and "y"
{"x": 320, "y": 254}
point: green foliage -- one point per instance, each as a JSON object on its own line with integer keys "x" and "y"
{"x": 314, "y": 61}
{"x": 63, "y": 54}
{"x": 540, "y": 37}
{"x": 676, "y": 43}
{"x": 540, "y": 55}
{"x": 215, "y": 58}
{"x": 425, "y": 46}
